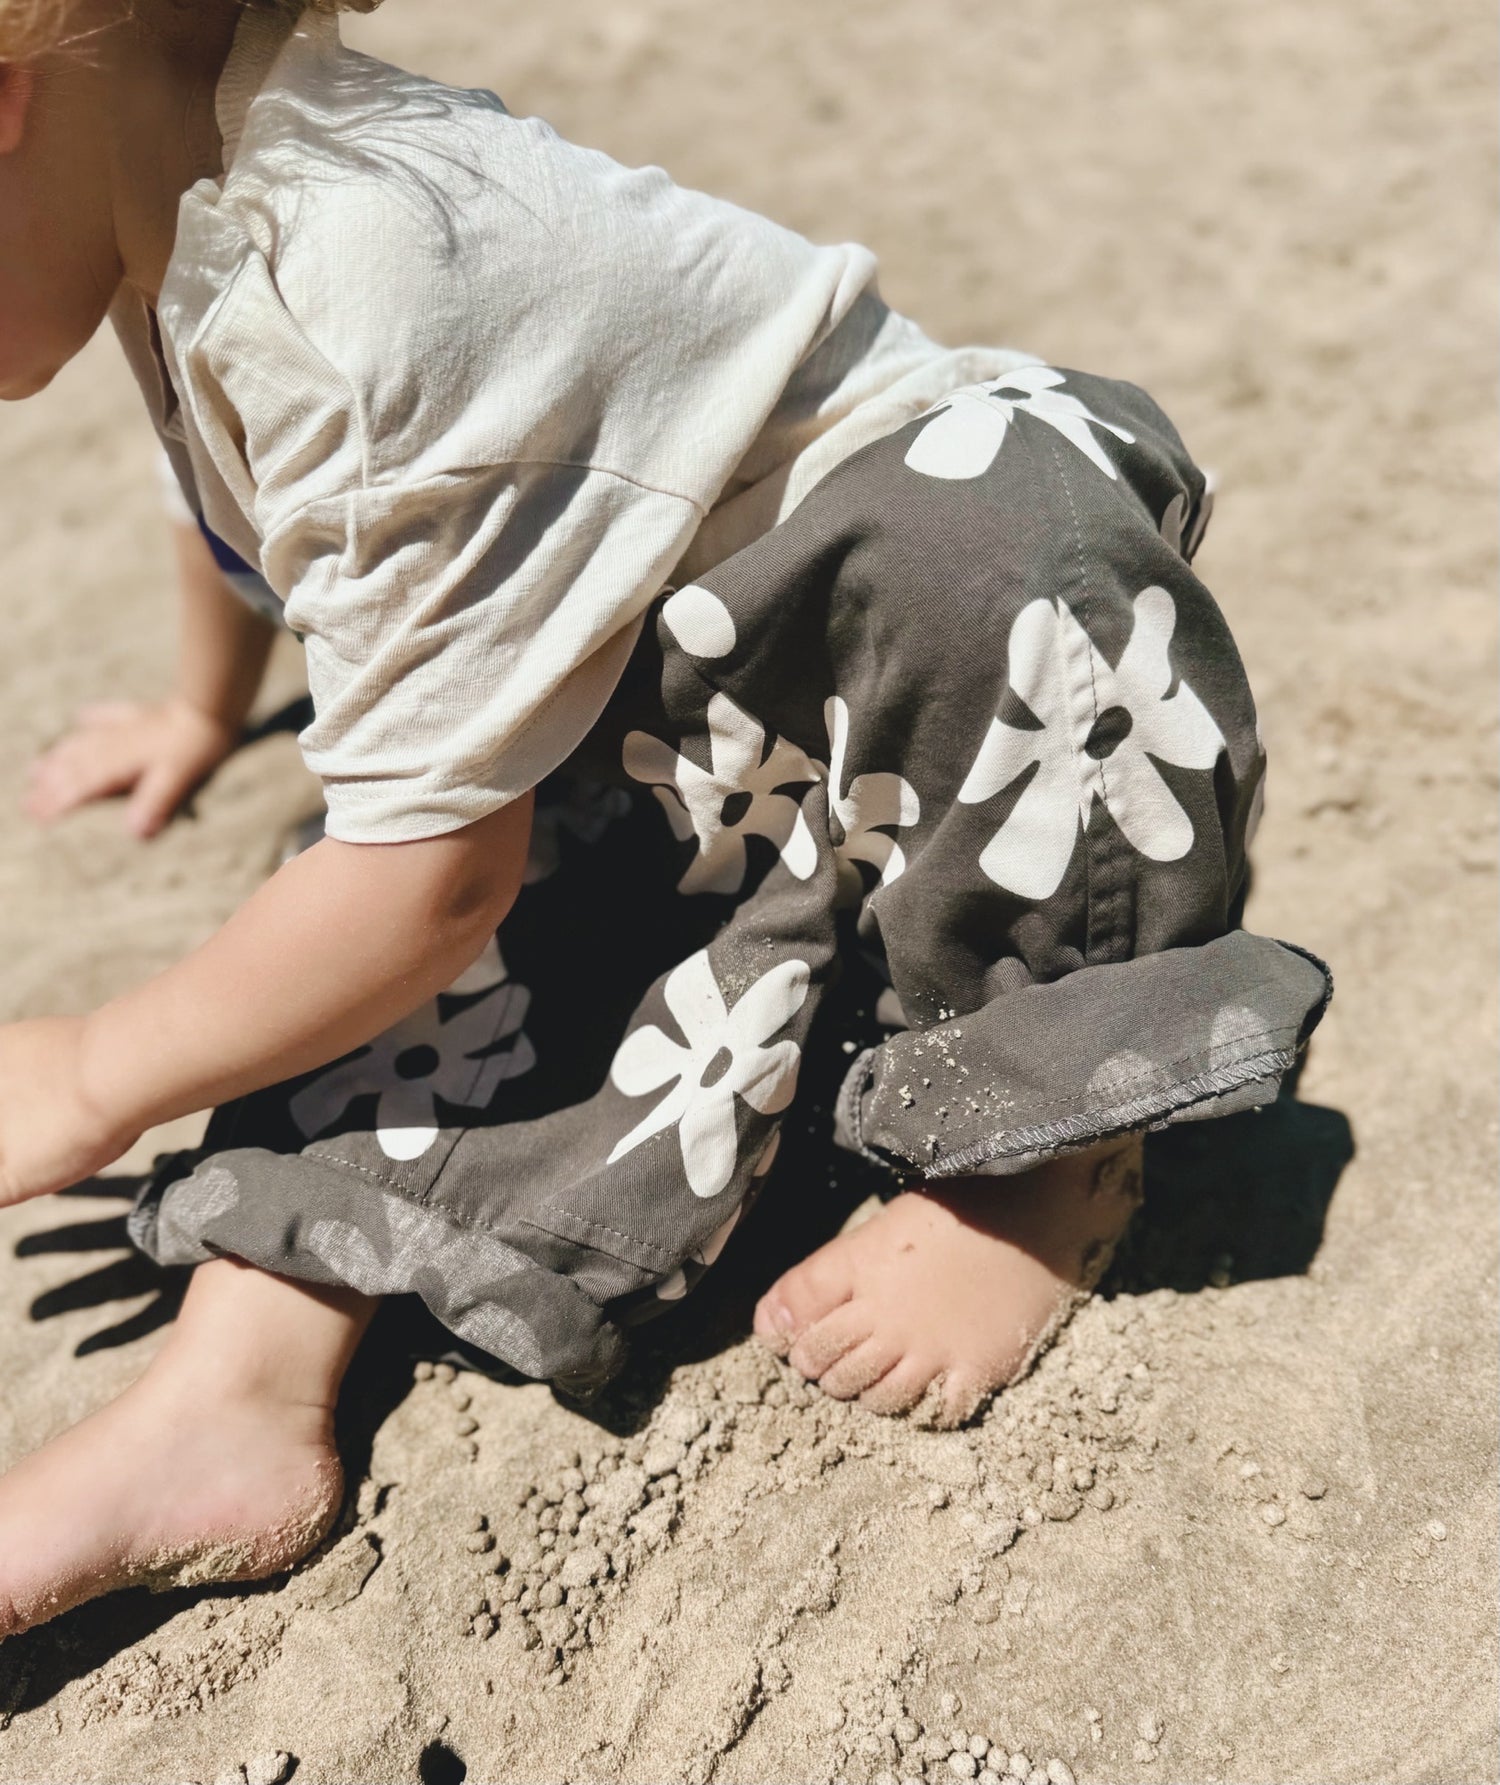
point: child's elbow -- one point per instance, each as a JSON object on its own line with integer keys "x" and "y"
{"x": 481, "y": 868}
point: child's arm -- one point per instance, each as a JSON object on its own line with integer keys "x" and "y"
{"x": 343, "y": 941}
{"x": 160, "y": 753}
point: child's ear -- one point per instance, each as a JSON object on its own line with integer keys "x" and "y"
{"x": 16, "y": 87}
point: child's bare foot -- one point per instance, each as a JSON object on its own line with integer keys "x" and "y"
{"x": 169, "y": 1485}
{"x": 954, "y": 1291}
{"x": 219, "y": 1464}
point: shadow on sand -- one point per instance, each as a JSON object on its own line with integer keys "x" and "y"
{"x": 1226, "y": 1201}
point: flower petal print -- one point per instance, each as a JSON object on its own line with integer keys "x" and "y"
{"x": 735, "y": 799}
{"x": 1049, "y": 654}
{"x": 699, "y": 621}
{"x": 424, "y": 1058}
{"x": 870, "y": 806}
{"x": 728, "y": 1053}
{"x": 968, "y": 428}
{"x": 1183, "y": 524}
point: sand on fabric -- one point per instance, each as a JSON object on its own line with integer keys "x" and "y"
{"x": 1240, "y": 1525}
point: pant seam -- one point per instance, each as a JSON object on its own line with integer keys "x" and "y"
{"x": 1134, "y": 1113}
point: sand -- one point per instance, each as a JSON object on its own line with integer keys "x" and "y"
{"x": 1240, "y": 1524}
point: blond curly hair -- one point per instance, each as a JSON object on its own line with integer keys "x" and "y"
{"x": 29, "y": 27}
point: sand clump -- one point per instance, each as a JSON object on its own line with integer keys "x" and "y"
{"x": 265, "y": 1769}
{"x": 554, "y": 1570}
{"x": 220, "y": 1648}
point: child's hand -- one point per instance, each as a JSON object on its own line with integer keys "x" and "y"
{"x": 157, "y": 754}
{"x": 51, "y": 1132}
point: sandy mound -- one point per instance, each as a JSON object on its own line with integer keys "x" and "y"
{"x": 1240, "y": 1524}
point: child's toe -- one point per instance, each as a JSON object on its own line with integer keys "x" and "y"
{"x": 773, "y": 1324}
{"x": 827, "y": 1340}
{"x": 802, "y": 1296}
{"x": 860, "y": 1368}
{"x": 902, "y": 1386}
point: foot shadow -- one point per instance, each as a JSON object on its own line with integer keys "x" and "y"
{"x": 1234, "y": 1200}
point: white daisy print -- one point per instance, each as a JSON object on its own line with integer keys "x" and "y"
{"x": 968, "y": 428}
{"x": 699, "y": 621}
{"x": 1096, "y": 748}
{"x": 867, "y": 810}
{"x": 423, "y": 1058}
{"x": 1183, "y": 526}
{"x": 729, "y": 1053}
{"x": 740, "y": 796}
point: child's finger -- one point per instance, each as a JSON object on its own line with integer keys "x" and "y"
{"x": 107, "y": 712}
{"x": 51, "y": 764}
{"x": 68, "y": 779}
{"x": 80, "y": 742}
{"x": 158, "y": 794}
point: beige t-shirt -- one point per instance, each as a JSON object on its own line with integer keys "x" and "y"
{"x": 468, "y": 396}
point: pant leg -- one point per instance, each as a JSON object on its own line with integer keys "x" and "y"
{"x": 1042, "y": 765}
{"x": 1063, "y": 938}
{"x": 565, "y": 1138}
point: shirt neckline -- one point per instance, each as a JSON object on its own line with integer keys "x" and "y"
{"x": 259, "y": 38}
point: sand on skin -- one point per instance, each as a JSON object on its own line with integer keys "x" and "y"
{"x": 1238, "y": 1527}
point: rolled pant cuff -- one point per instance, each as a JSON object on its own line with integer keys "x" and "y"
{"x": 349, "y": 1228}
{"x": 1172, "y": 1037}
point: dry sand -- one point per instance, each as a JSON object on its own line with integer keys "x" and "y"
{"x": 1241, "y": 1523}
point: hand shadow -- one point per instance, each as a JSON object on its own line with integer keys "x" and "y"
{"x": 123, "y": 1279}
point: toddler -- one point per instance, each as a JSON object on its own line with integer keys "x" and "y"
{"x": 679, "y": 610}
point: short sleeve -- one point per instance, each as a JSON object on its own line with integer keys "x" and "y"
{"x": 463, "y": 634}
{"x": 469, "y": 393}
{"x": 464, "y": 625}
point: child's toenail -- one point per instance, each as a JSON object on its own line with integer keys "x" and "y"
{"x": 772, "y": 1320}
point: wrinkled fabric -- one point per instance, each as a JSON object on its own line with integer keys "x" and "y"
{"x": 464, "y": 394}
{"x": 966, "y": 721}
